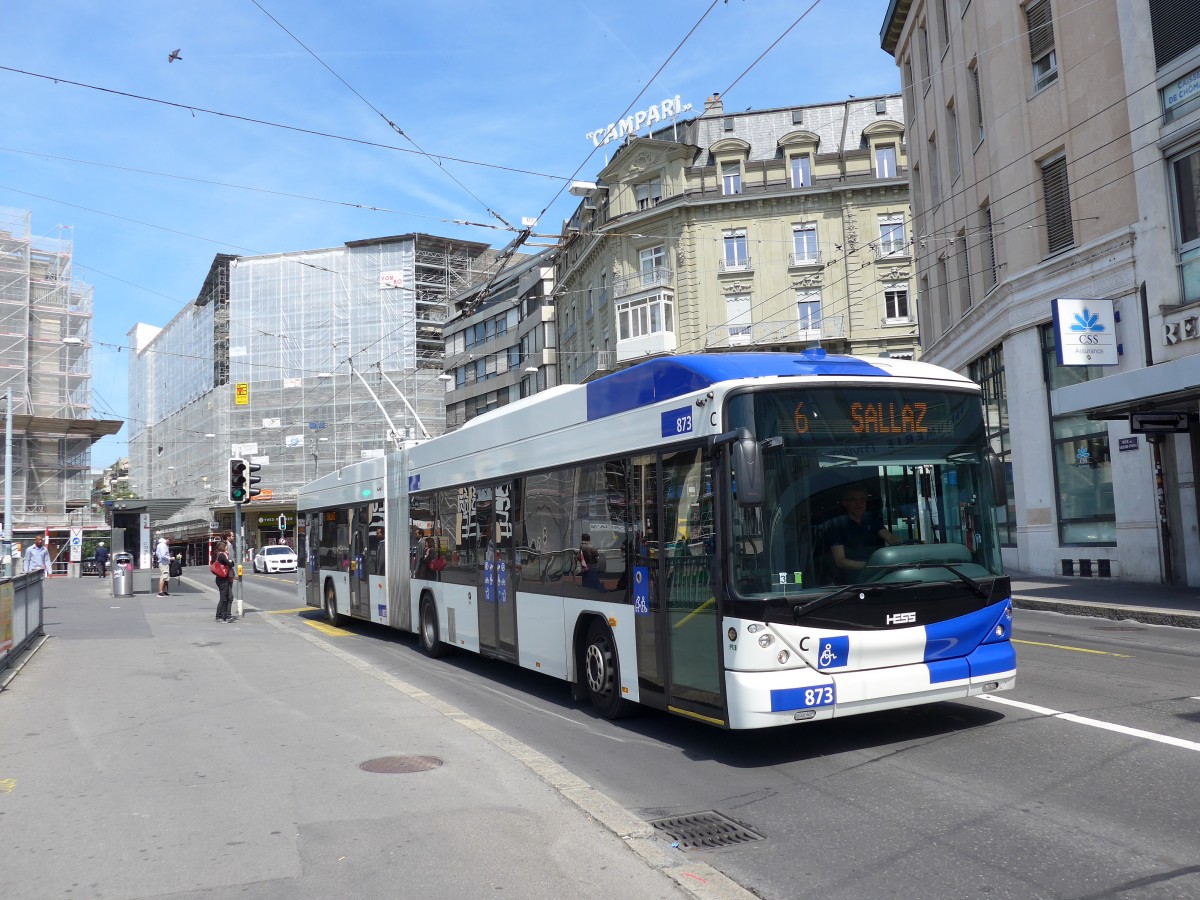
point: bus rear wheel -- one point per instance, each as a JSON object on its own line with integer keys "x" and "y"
{"x": 602, "y": 671}
{"x": 331, "y": 612}
{"x": 431, "y": 640}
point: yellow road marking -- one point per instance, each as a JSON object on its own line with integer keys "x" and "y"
{"x": 299, "y": 609}
{"x": 7, "y": 785}
{"x": 1075, "y": 649}
{"x": 326, "y": 628}
{"x": 695, "y": 612}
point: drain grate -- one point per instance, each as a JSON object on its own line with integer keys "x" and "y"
{"x": 705, "y": 831}
{"x": 400, "y": 765}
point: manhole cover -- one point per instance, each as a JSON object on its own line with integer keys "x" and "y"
{"x": 400, "y": 765}
{"x": 705, "y": 831}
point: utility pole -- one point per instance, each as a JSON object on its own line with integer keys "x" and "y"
{"x": 7, "y": 548}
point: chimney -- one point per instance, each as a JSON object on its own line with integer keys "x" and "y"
{"x": 713, "y": 106}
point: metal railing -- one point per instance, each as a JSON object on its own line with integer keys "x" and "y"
{"x": 777, "y": 332}
{"x": 735, "y": 265}
{"x": 805, "y": 259}
{"x": 27, "y": 605}
{"x": 659, "y": 276}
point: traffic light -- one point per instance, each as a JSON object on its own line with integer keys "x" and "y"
{"x": 238, "y": 486}
{"x": 253, "y": 479}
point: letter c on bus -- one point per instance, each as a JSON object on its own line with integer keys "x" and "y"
{"x": 712, "y": 418}
{"x": 804, "y": 644}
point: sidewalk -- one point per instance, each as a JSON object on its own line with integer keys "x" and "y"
{"x": 1107, "y": 598}
{"x": 147, "y": 751}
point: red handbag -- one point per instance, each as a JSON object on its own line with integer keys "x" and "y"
{"x": 219, "y": 569}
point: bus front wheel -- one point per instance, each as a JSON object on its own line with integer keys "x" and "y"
{"x": 431, "y": 641}
{"x": 331, "y": 612}
{"x": 602, "y": 671}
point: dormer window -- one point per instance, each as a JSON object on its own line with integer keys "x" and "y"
{"x": 731, "y": 178}
{"x": 801, "y": 170}
{"x": 648, "y": 193}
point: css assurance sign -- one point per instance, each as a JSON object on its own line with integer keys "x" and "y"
{"x": 1085, "y": 332}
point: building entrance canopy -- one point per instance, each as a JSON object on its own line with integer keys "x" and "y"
{"x": 1168, "y": 385}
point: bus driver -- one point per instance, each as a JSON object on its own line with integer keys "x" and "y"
{"x": 853, "y": 537}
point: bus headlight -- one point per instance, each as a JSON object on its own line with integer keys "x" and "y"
{"x": 999, "y": 631}
{"x": 765, "y": 639}
{"x": 783, "y": 657}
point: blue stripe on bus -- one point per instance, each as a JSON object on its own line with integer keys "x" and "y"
{"x": 988, "y": 659}
{"x": 949, "y": 670}
{"x": 961, "y": 635}
{"x": 672, "y": 376}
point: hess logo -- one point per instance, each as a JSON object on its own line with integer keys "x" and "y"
{"x": 905, "y": 618}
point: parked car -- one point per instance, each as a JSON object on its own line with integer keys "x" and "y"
{"x": 275, "y": 559}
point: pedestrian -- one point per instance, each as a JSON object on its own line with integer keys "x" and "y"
{"x": 177, "y": 565}
{"x": 162, "y": 556}
{"x": 854, "y": 536}
{"x": 102, "y": 559}
{"x": 37, "y": 557}
{"x": 223, "y": 564}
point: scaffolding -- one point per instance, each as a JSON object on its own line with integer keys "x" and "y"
{"x": 266, "y": 364}
{"x": 45, "y": 366}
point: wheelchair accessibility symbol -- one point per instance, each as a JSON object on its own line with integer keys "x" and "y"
{"x": 833, "y": 653}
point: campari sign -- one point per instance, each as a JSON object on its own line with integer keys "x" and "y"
{"x": 1085, "y": 332}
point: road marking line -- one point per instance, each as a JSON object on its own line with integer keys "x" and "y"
{"x": 1076, "y": 649}
{"x": 282, "y": 612}
{"x": 1095, "y": 723}
{"x": 326, "y": 628}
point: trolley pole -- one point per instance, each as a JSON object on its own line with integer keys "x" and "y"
{"x": 238, "y": 554}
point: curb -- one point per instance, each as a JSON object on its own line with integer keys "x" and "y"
{"x": 11, "y": 671}
{"x": 1176, "y": 618}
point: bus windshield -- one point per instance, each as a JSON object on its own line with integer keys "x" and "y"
{"x": 865, "y": 485}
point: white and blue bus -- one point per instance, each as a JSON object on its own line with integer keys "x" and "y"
{"x": 682, "y": 534}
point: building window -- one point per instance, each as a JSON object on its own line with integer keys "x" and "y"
{"x": 652, "y": 261}
{"x": 1082, "y": 464}
{"x": 952, "y": 136}
{"x": 801, "y": 171}
{"x": 885, "y": 161}
{"x": 603, "y": 289}
{"x": 736, "y": 255}
{"x": 648, "y": 193}
{"x": 645, "y": 315}
{"x": 808, "y": 311}
{"x": 1039, "y": 21}
{"x": 964, "y": 269}
{"x": 976, "y": 106}
{"x": 737, "y": 318}
{"x": 731, "y": 178}
{"x": 1056, "y": 194}
{"x": 1175, "y": 27}
{"x": 935, "y": 172}
{"x": 943, "y": 293}
{"x": 804, "y": 243}
{"x": 926, "y": 65}
{"x": 892, "y": 239}
{"x": 943, "y": 24}
{"x": 988, "y": 373}
{"x": 1185, "y": 171}
{"x": 910, "y": 100}
{"x": 895, "y": 303}
{"x": 989, "y": 249}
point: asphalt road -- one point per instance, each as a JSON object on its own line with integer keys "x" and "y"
{"x": 1083, "y": 782}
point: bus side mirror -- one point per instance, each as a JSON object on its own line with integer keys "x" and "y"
{"x": 999, "y": 482}
{"x": 748, "y": 472}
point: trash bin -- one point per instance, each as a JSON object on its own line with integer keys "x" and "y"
{"x": 122, "y": 576}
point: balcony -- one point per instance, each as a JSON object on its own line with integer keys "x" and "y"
{"x": 778, "y": 332}
{"x": 659, "y": 276}
{"x": 735, "y": 265}
{"x": 889, "y": 250}
{"x": 804, "y": 260}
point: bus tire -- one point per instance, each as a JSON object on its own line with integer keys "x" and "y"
{"x": 602, "y": 672}
{"x": 432, "y": 644}
{"x": 331, "y": 612}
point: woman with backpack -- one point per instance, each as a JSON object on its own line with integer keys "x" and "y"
{"x": 222, "y": 569}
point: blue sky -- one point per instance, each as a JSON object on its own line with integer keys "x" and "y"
{"x": 152, "y": 191}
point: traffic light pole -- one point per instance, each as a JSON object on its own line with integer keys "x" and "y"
{"x": 240, "y": 553}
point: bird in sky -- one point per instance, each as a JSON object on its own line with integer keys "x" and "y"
{"x": 174, "y": 56}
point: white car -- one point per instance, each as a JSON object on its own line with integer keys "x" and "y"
{"x": 275, "y": 559}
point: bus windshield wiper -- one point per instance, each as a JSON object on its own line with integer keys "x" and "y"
{"x": 803, "y": 609}
{"x": 976, "y": 588}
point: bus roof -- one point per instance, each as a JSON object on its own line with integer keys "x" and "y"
{"x": 672, "y": 376}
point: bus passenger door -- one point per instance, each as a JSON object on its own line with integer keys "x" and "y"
{"x": 497, "y": 609}
{"x": 360, "y": 586}
{"x": 686, "y": 559}
{"x": 307, "y": 542}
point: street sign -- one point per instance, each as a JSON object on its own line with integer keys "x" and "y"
{"x": 241, "y": 393}
{"x": 76, "y": 543}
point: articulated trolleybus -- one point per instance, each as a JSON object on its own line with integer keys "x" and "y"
{"x": 745, "y": 539}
